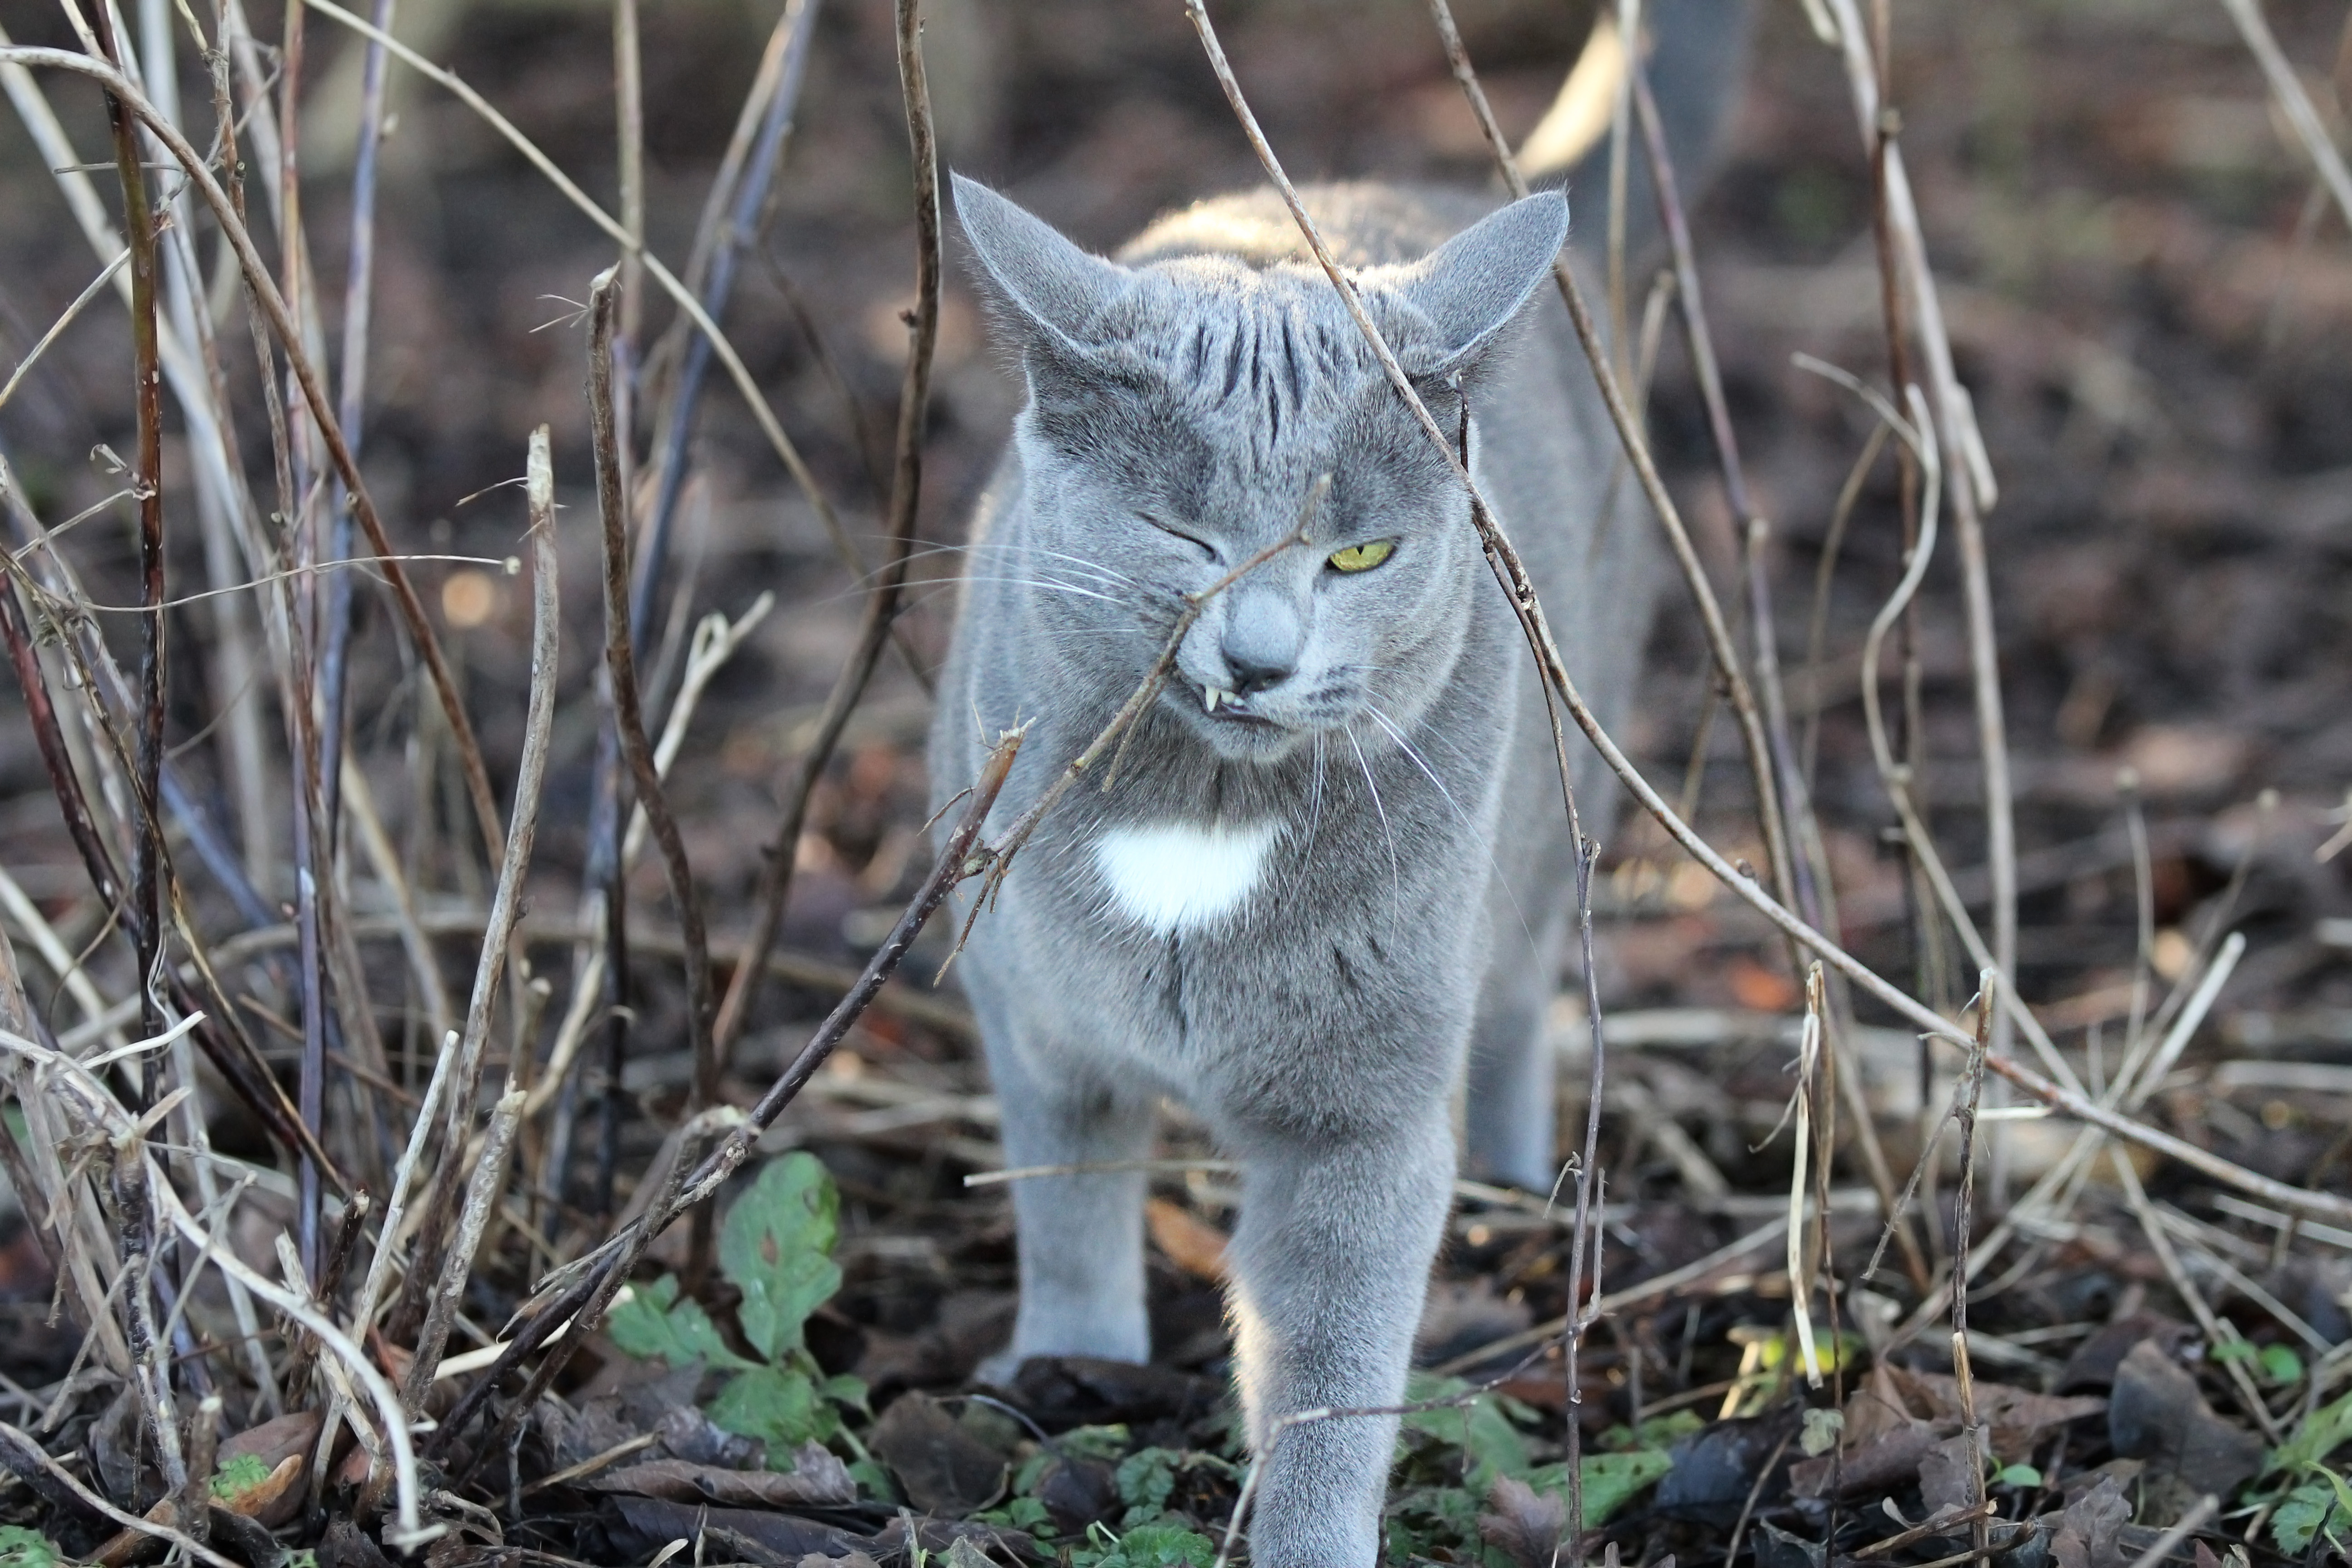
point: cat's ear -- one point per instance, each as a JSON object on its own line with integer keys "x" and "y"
{"x": 1053, "y": 288}
{"x": 1471, "y": 288}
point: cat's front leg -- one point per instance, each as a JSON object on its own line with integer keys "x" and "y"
{"x": 1080, "y": 1238}
{"x": 1330, "y": 1266}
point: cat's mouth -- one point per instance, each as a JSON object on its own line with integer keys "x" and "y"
{"x": 1231, "y": 707}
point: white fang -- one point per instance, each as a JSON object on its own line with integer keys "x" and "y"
{"x": 1179, "y": 876}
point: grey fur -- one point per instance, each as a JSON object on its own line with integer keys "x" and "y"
{"x": 1390, "y": 733}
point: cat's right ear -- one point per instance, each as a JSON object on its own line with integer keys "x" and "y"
{"x": 1051, "y": 288}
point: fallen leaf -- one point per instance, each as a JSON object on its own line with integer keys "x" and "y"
{"x": 294, "y": 1437}
{"x": 2090, "y": 1530}
{"x": 2094, "y": 1363}
{"x": 817, "y": 1479}
{"x": 1191, "y": 1244}
{"x": 944, "y": 1469}
{"x": 1950, "y": 1473}
{"x": 1524, "y": 1523}
{"x": 2157, "y": 1414}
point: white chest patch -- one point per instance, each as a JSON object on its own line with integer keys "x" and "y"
{"x": 1180, "y": 876}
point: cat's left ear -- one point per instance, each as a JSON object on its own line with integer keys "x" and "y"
{"x": 1471, "y": 288}
{"x": 1052, "y": 290}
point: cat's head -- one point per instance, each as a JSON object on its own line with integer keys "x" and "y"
{"x": 1180, "y": 417}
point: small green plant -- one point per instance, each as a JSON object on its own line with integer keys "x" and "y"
{"x": 23, "y": 1548}
{"x": 238, "y": 1476}
{"x": 2317, "y": 1507}
{"x": 1451, "y": 1457}
{"x": 776, "y": 1248}
{"x": 1146, "y": 1546}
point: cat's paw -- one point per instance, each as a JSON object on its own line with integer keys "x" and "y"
{"x": 999, "y": 1371}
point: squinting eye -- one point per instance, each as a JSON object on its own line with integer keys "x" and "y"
{"x": 1362, "y": 557}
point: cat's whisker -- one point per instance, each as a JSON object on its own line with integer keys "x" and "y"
{"x": 1396, "y": 872}
{"x": 1407, "y": 747}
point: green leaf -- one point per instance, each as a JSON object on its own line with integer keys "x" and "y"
{"x": 23, "y": 1548}
{"x": 1610, "y": 1480}
{"x": 2320, "y": 1433}
{"x": 651, "y": 1322}
{"x": 240, "y": 1476}
{"x": 873, "y": 1480}
{"x": 2019, "y": 1476}
{"x": 2297, "y": 1518}
{"x": 777, "y": 1246}
{"x": 1480, "y": 1427}
{"x": 2226, "y": 1351}
{"x": 1821, "y": 1431}
{"x": 1160, "y": 1546}
{"x": 2280, "y": 1365}
{"x": 1147, "y": 1477}
{"x": 774, "y": 1404}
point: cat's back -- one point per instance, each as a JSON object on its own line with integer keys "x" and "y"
{"x": 1364, "y": 223}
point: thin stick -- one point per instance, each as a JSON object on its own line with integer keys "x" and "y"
{"x": 57, "y": 329}
{"x": 506, "y": 902}
{"x": 1808, "y": 866}
{"x": 1972, "y": 491}
{"x": 906, "y": 496}
{"x": 2287, "y": 87}
{"x": 620, "y": 664}
{"x": 762, "y": 412}
{"x": 960, "y": 856}
{"x": 458, "y": 1264}
{"x": 736, "y": 233}
{"x": 21, "y": 1444}
{"x": 147, "y": 483}
{"x": 283, "y": 324}
{"x": 2188, "y": 1524}
{"x": 1506, "y": 565}
{"x": 1963, "y": 1215}
{"x": 1587, "y": 1224}
{"x": 1628, "y": 431}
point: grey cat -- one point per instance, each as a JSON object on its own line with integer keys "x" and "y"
{"x": 1333, "y": 877}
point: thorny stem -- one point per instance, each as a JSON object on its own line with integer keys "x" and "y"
{"x": 881, "y": 610}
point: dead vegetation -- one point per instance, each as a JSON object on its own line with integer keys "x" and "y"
{"x": 360, "y": 1059}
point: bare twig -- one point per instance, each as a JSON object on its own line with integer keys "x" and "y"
{"x": 1586, "y": 1230}
{"x": 2287, "y": 88}
{"x": 620, "y": 664}
{"x": 506, "y": 903}
{"x": 1728, "y": 668}
{"x": 1963, "y": 1227}
{"x": 1507, "y": 566}
{"x": 740, "y": 373}
{"x": 960, "y": 856}
{"x": 906, "y": 496}
{"x": 284, "y": 325}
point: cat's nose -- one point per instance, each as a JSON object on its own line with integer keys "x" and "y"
{"x": 1261, "y": 642}
{"x": 1250, "y": 675}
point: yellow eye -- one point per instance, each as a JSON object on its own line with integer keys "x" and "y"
{"x": 1362, "y": 557}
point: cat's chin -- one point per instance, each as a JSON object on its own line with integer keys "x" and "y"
{"x": 1247, "y": 739}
